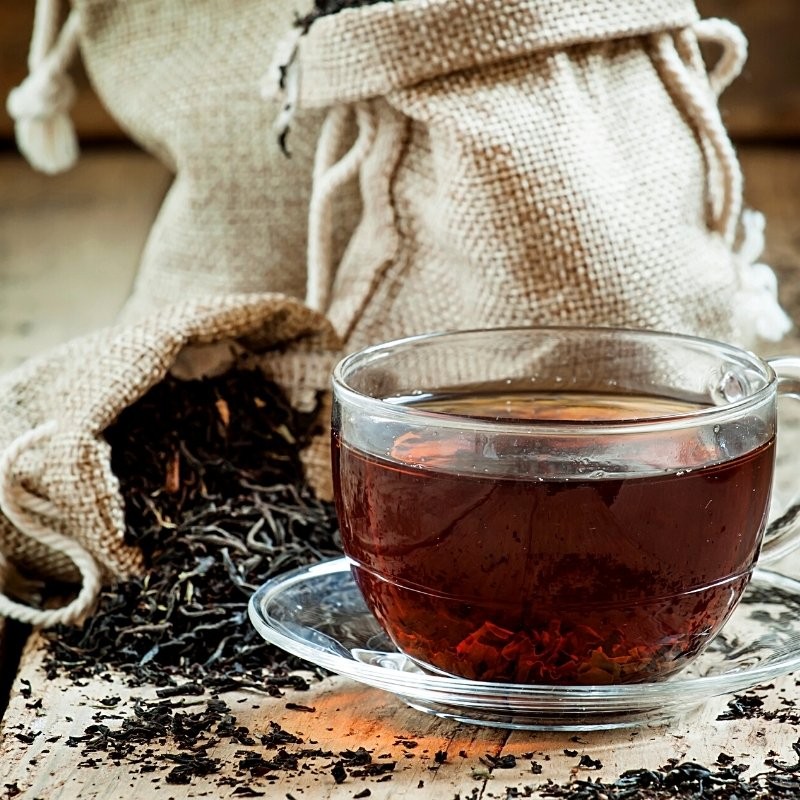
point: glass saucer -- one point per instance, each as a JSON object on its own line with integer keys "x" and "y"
{"x": 318, "y": 614}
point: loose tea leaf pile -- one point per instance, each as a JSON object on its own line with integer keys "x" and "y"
{"x": 215, "y": 497}
{"x": 724, "y": 781}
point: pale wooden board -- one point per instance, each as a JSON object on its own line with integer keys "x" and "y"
{"x": 70, "y": 244}
{"x": 349, "y": 716}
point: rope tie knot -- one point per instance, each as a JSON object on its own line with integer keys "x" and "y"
{"x": 43, "y": 94}
{"x": 40, "y": 105}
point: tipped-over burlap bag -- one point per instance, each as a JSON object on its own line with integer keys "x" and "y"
{"x": 63, "y": 514}
{"x": 529, "y": 161}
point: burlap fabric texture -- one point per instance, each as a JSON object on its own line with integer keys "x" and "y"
{"x": 181, "y": 77}
{"x": 63, "y": 515}
{"x": 528, "y": 161}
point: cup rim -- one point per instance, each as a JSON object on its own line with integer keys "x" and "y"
{"x": 701, "y": 416}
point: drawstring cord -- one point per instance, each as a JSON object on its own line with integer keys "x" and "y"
{"x": 734, "y": 51}
{"x": 329, "y": 175}
{"x": 756, "y": 305}
{"x": 40, "y": 105}
{"x": 26, "y": 511}
{"x": 701, "y": 108}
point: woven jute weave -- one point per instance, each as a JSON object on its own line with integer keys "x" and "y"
{"x": 529, "y": 162}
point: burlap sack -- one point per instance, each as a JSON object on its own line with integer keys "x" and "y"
{"x": 63, "y": 515}
{"x": 182, "y": 79}
{"x": 528, "y": 161}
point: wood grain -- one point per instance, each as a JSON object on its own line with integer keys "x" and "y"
{"x": 347, "y": 716}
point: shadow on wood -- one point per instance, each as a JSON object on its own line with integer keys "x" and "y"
{"x": 13, "y": 636}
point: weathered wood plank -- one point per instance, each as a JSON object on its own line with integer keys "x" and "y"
{"x": 70, "y": 244}
{"x": 347, "y": 716}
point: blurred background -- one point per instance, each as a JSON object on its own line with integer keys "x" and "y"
{"x": 69, "y": 244}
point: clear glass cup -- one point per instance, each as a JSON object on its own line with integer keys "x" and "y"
{"x": 556, "y": 505}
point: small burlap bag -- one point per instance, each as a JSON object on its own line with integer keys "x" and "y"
{"x": 182, "y": 79}
{"x": 63, "y": 515}
{"x": 528, "y": 161}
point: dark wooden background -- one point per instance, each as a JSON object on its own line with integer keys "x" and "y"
{"x": 764, "y": 104}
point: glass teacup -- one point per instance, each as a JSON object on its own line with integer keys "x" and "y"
{"x": 556, "y": 505}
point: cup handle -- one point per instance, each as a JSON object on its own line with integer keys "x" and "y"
{"x": 783, "y": 534}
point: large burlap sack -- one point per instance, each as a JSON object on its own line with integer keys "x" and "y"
{"x": 528, "y": 161}
{"x": 182, "y": 79}
{"x": 62, "y": 513}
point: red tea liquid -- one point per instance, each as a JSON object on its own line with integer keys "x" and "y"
{"x": 541, "y": 580}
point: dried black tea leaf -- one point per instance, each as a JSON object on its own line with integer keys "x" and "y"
{"x": 215, "y": 497}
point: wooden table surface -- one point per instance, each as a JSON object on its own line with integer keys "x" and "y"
{"x": 69, "y": 249}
